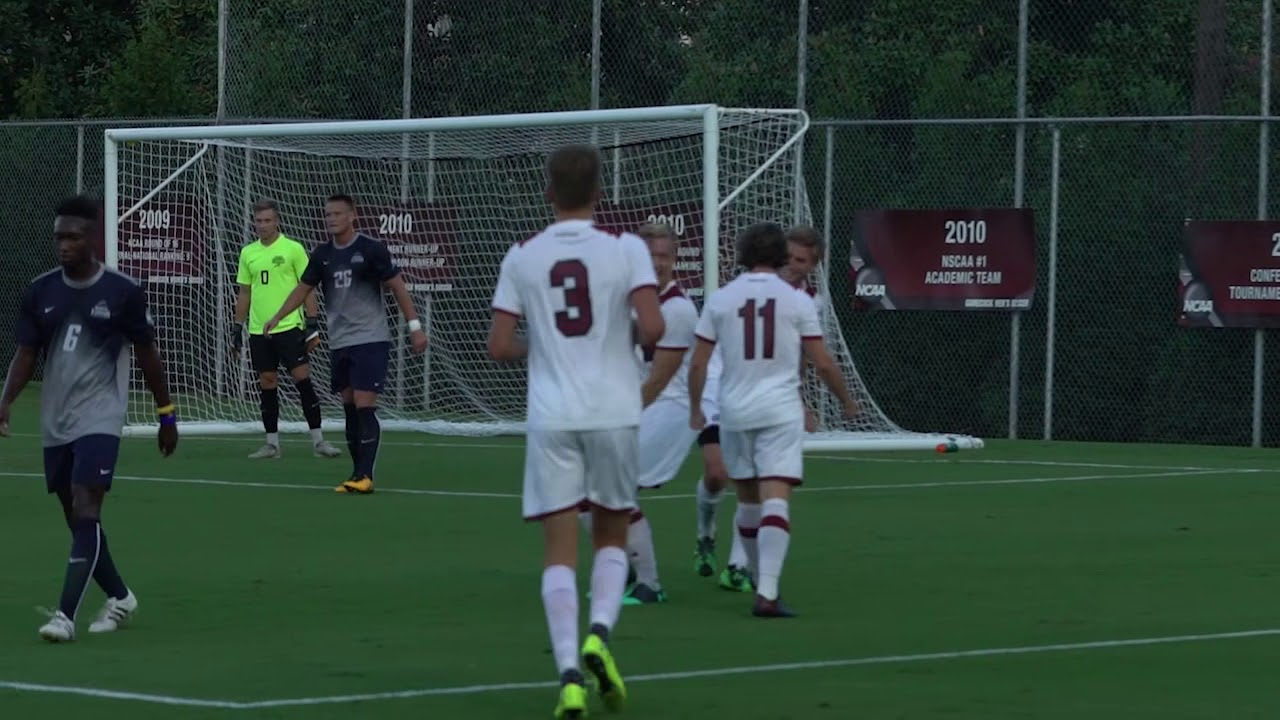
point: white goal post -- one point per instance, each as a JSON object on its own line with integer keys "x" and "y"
{"x": 448, "y": 196}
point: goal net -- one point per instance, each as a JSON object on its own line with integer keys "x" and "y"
{"x": 448, "y": 196}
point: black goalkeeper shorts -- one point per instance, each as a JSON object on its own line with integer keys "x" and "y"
{"x": 287, "y": 349}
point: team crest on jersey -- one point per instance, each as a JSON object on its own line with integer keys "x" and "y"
{"x": 357, "y": 258}
{"x": 101, "y": 311}
{"x": 277, "y": 260}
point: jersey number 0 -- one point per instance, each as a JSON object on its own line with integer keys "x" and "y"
{"x": 575, "y": 320}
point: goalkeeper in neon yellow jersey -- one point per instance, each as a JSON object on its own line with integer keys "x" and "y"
{"x": 269, "y": 270}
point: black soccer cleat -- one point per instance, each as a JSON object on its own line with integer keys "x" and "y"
{"x": 763, "y": 608}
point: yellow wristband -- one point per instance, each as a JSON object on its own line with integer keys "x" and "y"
{"x": 166, "y": 410}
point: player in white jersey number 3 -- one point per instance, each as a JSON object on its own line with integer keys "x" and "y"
{"x": 762, "y": 326}
{"x": 576, "y": 286}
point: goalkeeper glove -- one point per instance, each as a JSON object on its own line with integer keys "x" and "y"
{"x": 237, "y": 337}
{"x": 313, "y": 329}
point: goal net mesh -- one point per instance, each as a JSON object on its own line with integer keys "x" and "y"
{"x": 448, "y": 204}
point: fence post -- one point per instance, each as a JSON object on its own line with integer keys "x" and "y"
{"x": 79, "y": 159}
{"x": 802, "y": 79}
{"x": 1052, "y": 309}
{"x": 1264, "y": 169}
{"x": 1019, "y": 180}
{"x": 596, "y": 10}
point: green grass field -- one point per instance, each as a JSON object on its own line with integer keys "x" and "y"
{"x": 1027, "y": 580}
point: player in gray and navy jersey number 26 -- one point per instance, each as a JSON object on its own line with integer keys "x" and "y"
{"x": 353, "y": 270}
{"x": 83, "y": 317}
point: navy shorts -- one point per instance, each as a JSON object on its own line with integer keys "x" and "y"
{"x": 89, "y": 460}
{"x": 359, "y": 367}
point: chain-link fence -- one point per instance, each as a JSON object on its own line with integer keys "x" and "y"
{"x": 1123, "y": 369}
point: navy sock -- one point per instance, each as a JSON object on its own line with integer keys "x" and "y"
{"x": 370, "y": 435}
{"x": 310, "y": 403}
{"x": 106, "y": 575}
{"x": 270, "y": 409}
{"x": 353, "y": 437}
{"x": 85, "y": 542}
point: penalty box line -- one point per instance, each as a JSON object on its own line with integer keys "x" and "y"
{"x": 100, "y": 693}
{"x": 649, "y": 496}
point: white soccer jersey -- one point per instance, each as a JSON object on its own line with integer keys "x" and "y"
{"x": 808, "y": 289}
{"x": 572, "y": 283}
{"x": 680, "y": 316}
{"x": 758, "y": 322}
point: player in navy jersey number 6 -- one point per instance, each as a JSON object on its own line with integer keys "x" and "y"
{"x": 83, "y": 317}
{"x": 353, "y": 268}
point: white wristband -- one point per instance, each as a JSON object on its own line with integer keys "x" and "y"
{"x": 415, "y": 325}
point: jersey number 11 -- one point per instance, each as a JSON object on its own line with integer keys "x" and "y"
{"x": 748, "y": 313}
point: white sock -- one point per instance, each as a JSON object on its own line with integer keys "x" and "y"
{"x": 640, "y": 550}
{"x": 608, "y": 582}
{"x": 560, "y": 600}
{"x": 748, "y": 521}
{"x": 775, "y": 536}
{"x": 737, "y": 552}
{"x": 317, "y": 436}
{"x": 273, "y": 439}
{"x": 708, "y": 503}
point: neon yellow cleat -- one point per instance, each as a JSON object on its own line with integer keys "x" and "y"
{"x": 359, "y": 486}
{"x": 573, "y": 702}
{"x": 598, "y": 659}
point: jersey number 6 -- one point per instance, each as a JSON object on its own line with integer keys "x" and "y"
{"x": 575, "y": 320}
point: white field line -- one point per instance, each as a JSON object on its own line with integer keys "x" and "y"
{"x": 652, "y": 677}
{"x": 852, "y": 456}
{"x": 647, "y": 497}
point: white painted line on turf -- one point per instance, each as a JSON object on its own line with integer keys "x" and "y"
{"x": 853, "y": 456}
{"x": 1040, "y": 463}
{"x": 651, "y": 677}
{"x": 969, "y": 483}
{"x": 284, "y": 486}
{"x": 117, "y": 695}
{"x": 681, "y": 496}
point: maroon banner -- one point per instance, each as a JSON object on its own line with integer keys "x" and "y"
{"x": 163, "y": 241}
{"x": 422, "y": 240}
{"x": 955, "y": 259}
{"x": 1230, "y": 274}
{"x": 685, "y": 219}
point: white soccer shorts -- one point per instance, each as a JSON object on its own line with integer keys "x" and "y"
{"x": 665, "y": 441}
{"x": 775, "y": 452}
{"x": 562, "y": 468}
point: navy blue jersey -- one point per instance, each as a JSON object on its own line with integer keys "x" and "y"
{"x": 352, "y": 278}
{"x": 84, "y": 330}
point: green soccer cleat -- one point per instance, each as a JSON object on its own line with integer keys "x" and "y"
{"x": 704, "y": 557}
{"x": 641, "y": 594}
{"x": 573, "y": 697}
{"x": 598, "y": 659}
{"x": 736, "y": 579}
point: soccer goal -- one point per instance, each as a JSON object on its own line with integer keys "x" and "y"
{"x": 448, "y": 196}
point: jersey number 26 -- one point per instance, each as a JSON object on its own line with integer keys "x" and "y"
{"x": 575, "y": 320}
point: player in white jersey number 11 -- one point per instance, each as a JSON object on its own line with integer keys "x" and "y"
{"x": 763, "y": 327}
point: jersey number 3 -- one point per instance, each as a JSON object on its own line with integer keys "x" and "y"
{"x": 748, "y": 313}
{"x": 575, "y": 320}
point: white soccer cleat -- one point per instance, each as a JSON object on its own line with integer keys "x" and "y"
{"x": 266, "y": 452}
{"x": 326, "y": 449}
{"x": 60, "y": 628}
{"x": 114, "y": 614}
